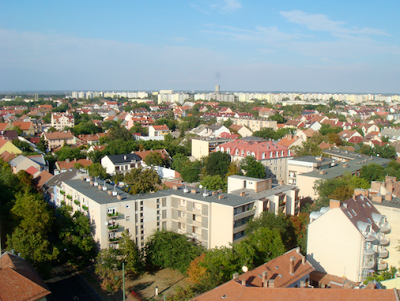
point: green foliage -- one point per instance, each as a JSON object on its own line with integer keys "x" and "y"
{"x": 327, "y": 129}
{"x": 130, "y": 253}
{"x": 167, "y": 249}
{"x": 97, "y": 170}
{"x": 179, "y": 161}
{"x": 86, "y": 128}
{"x": 142, "y": 180}
{"x": 156, "y": 159}
{"x": 119, "y": 133}
{"x": 190, "y": 171}
{"x": 171, "y": 124}
{"x": 372, "y": 172}
{"x": 33, "y": 222}
{"x": 227, "y": 123}
{"x": 74, "y": 232}
{"x": 214, "y": 182}
{"x": 272, "y": 221}
{"x": 307, "y": 148}
{"x": 217, "y": 164}
{"x": 67, "y": 152}
{"x": 22, "y": 145}
{"x": 270, "y": 134}
{"x": 277, "y": 117}
{"x": 383, "y": 275}
{"x": 252, "y": 167}
{"x": 43, "y": 145}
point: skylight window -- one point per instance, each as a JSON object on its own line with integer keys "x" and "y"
{"x": 276, "y": 267}
{"x": 349, "y": 214}
{"x": 354, "y": 213}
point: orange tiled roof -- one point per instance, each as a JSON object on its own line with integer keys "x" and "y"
{"x": 162, "y": 127}
{"x": 67, "y": 165}
{"x": 6, "y": 156}
{"x": 42, "y": 178}
{"x": 23, "y": 125}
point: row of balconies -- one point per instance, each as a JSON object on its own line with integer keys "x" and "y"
{"x": 370, "y": 264}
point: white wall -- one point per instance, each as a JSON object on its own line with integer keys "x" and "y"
{"x": 334, "y": 245}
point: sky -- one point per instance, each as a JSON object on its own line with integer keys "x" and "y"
{"x": 305, "y": 46}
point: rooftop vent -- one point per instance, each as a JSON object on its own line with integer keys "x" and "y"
{"x": 185, "y": 190}
{"x": 220, "y": 197}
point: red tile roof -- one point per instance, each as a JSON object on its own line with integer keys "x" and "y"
{"x": 19, "y": 281}
{"x": 58, "y": 135}
{"x": 31, "y": 170}
{"x": 6, "y": 156}
{"x": 144, "y": 154}
{"x": 162, "y": 127}
{"x": 262, "y": 150}
{"x": 67, "y": 165}
{"x": 42, "y": 178}
{"x": 23, "y": 125}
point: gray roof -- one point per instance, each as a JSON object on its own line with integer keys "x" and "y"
{"x": 349, "y": 166}
{"x": 246, "y": 178}
{"x": 312, "y": 159}
{"x": 17, "y": 160}
{"x": 250, "y": 193}
{"x": 344, "y": 154}
{"x": 124, "y": 158}
{"x": 102, "y": 197}
{"x": 39, "y": 160}
{"x": 64, "y": 176}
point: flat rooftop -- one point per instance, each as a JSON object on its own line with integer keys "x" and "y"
{"x": 350, "y": 166}
{"x": 250, "y": 193}
{"x": 102, "y": 197}
{"x": 344, "y": 154}
{"x": 312, "y": 159}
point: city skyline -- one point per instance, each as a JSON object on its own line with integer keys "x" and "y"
{"x": 243, "y": 46}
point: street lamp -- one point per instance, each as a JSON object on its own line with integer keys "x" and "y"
{"x": 156, "y": 291}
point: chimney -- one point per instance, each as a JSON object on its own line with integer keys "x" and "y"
{"x": 75, "y": 159}
{"x": 264, "y": 278}
{"x": 271, "y": 283}
{"x": 194, "y": 191}
{"x": 67, "y": 160}
{"x": 291, "y": 266}
{"x": 220, "y": 197}
{"x": 235, "y": 276}
{"x": 214, "y": 193}
{"x": 334, "y": 204}
{"x": 243, "y": 193}
{"x": 175, "y": 187}
{"x": 119, "y": 197}
{"x": 244, "y": 282}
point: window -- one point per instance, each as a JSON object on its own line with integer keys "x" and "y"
{"x": 142, "y": 232}
{"x": 158, "y": 206}
{"x": 158, "y": 224}
{"x": 141, "y": 214}
{"x": 242, "y": 152}
{"x": 136, "y": 230}
{"x": 197, "y": 206}
{"x": 164, "y": 214}
{"x": 281, "y": 153}
{"x": 263, "y": 156}
{"x": 277, "y": 154}
{"x": 141, "y": 220}
{"x": 228, "y": 151}
{"x": 182, "y": 202}
{"x": 141, "y": 208}
{"x": 141, "y": 203}
{"x": 248, "y": 153}
{"x": 158, "y": 201}
{"x": 142, "y": 237}
{"x": 136, "y": 206}
{"x": 128, "y": 206}
{"x": 128, "y": 218}
{"x": 164, "y": 202}
{"x": 141, "y": 226}
{"x": 182, "y": 226}
{"x": 181, "y": 214}
{"x": 164, "y": 225}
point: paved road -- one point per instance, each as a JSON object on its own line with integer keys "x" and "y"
{"x": 74, "y": 288}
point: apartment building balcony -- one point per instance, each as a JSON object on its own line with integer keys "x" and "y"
{"x": 384, "y": 241}
{"x": 382, "y": 266}
{"x": 243, "y": 214}
{"x": 113, "y": 240}
{"x": 385, "y": 228}
{"x": 239, "y": 228}
{"x": 113, "y": 215}
{"x": 383, "y": 253}
{"x": 369, "y": 251}
{"x": 113, "y": 228}
{"x": 370, "y": 238}
{"x": 369, "y": 264}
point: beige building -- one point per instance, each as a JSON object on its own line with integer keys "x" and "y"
{"x": 255, "y": 125}
{"x": 213, "y": 218}
{"x": 305, "y": 164}
{"x": 202, "y": 147}
{"x": 61, "y": 120}
{"x": 58, "y": 139}
{"x": 348, "y": 239}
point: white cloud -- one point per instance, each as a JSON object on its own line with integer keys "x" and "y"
{"x": 231, "y": 5}
{"x": 320, "y": 22}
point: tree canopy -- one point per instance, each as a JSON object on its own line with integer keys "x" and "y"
{"x": 252, "y": 167}
{"x": 217, "y": 164}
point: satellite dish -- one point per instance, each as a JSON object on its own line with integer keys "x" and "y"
{"x": 200, "y": 186}
{"x": 245, "y": 269}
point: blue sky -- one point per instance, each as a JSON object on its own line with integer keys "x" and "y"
{"x": 310, "y": 46}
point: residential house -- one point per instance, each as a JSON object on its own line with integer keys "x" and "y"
{"x": 241, "y": 130}
{"x": 120, "y": 163}
{"x": 19, "y": 281}
{"x": 7, "y": 146}
{"x": 40, "y": 180}
{"x": 158, "y": 130}
{"x": 305, "y": 134}
{"x": 290, "y": 141}
{"x": 255, "y": 124}
{"x": 213, "y": 130}
{"x": 23, "y": 163}
{"x": 62, "y": 166}
{"x": 355, "y": 246}
{"x": 202, "y": 147}
{"x": 346, "y": 135}
{"x": 27, "y": 128}
{"x": 58, "y": 139}
{"x": 368, "y": 128}
{"x": 143, "y": 154}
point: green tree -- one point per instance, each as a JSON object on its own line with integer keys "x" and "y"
{"x": 307, "y": 148}
{"x": 277, "y": 117}
{"x": 227, "y": 123}
{"x": 107, "y": 265}
{"x": 75, "y": 236}
{"x": 168, "y": 249}
{"x": 179, "y": 161}
{"x": 214, "y": 182}
{"x": 253, "y": 168}
{"x": 155, "y": 158}
{"x": 43, "y": 145}
{"x": 190, "y": 172}
{"x": 67, "y": 152}
{"x": 327, "y": 129}
{"x": 97, "y": 170}
{"x": 130, "y": 253}
{"x": 119, "y": 133}
{"x": 217, "y": 164}
{"x": 142, "y": 180}
{"x": 372, "y": 172}
{"x": 33, "y": 222}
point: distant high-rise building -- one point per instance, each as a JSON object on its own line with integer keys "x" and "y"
{"x": 217, "y": 89}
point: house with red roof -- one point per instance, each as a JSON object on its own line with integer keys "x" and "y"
{"x": 273, "y": 156}
{"x": 290, "y": 141}
{"x": 159, "y": 130}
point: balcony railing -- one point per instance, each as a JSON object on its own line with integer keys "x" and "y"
{"x": 369, "y": 264}
{"x": 369, "y": 251}
{"x": 382, "y": 266}
{"x": 383, "y": 240}
{"x": 113, "y": 215}
{"x": 385, "y": 228}
{"x": 113, "y": 228}
{"x": 383, "y": 253}
{"x": 113, "y": 239}
{"x": 370, "y": 238}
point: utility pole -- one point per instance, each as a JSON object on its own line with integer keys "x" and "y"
{"x": 123, "y": 281}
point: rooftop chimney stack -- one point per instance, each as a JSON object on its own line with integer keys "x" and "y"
{"x": 244, "y": 282}
{"x": 291, "y": 266}
{"x": 264, "y": 278}
{"x": 235, "y": 276}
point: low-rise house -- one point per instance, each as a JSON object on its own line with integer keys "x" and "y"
{"x": 158, "y": 130}
{"x": 120, "y": 163}
{"x": 23, "y": 163}
{"x": 58, "y": 139}
{"x": 62, "y": 166}
{"x": 346, "y": 135}
{"x": 7, "y": 146}
{"x": 305, "y": 134}
{"x": 27, "y": 128}
{"x": 290, "y": 141}
{"x": 355, "y": 246}
{"x": 202, "y": 147}
{"x": 241, "y": 130}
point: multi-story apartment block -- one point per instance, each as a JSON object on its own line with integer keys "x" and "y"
{"x": 158, "y": 130}
{"x": 61, "y": 120}
{"x": 273, "y": 156}
{"x": 58, "y": 139}
{"x": 213, "y": 218}
{"x": 255, "y": 124}
{"x": 348, "y": 239}
{"x": 202, "y": 147}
